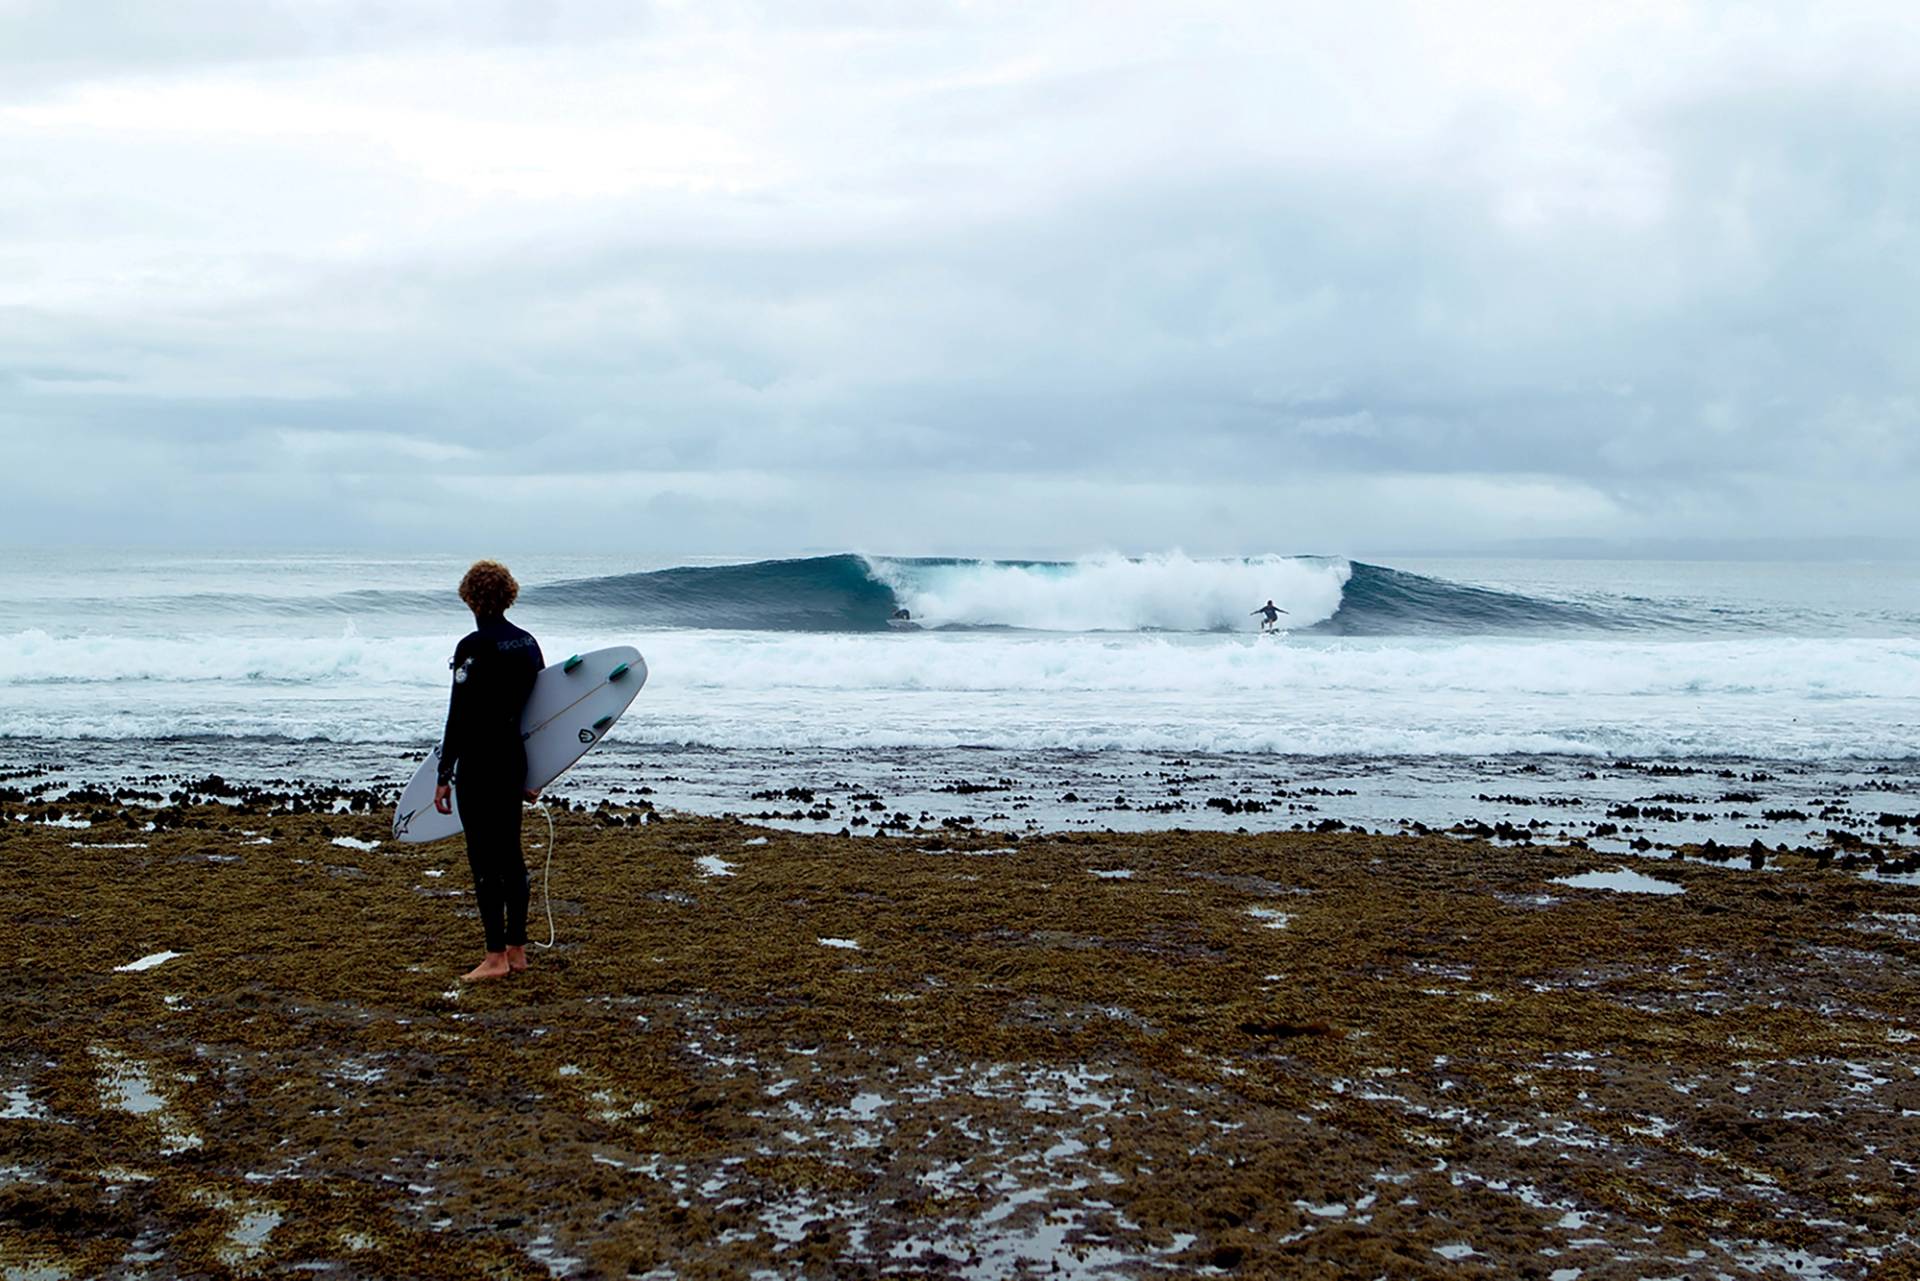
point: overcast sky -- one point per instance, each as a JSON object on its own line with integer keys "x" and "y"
{"x": 995, "y": 278}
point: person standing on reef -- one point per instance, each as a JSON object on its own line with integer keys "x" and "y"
{"x": 1269, "y": 615}
{"x": 483, "y": 756}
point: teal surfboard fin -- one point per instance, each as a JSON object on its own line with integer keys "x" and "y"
{"x": 617, "y": 672}
{"x": 603, "y": 722}
{"x": 570, "y": 664}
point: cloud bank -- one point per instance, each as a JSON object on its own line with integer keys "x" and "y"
{"x": 965, "y": 278}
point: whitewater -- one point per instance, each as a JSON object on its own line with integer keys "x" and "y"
{"x": 1151, "y": 653}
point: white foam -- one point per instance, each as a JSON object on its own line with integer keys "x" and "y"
{"x": 37, "y": 656}
{"x": 1169, "y": 592}
{"x": 1821, "y": 700}
{"x": 354, "y": 843}
{"x": 713, "y": 865}
{"x": 848, "y": 944}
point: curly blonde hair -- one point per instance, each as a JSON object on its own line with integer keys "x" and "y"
{"x": 489, "y": 588}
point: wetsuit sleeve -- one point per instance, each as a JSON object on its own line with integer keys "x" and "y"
{"x": 457, "y": 716}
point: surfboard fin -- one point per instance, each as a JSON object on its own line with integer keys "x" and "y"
{"x": 570, "y": 664}
{"x": 617, "y": 672}
{"x": 603, "y": 722}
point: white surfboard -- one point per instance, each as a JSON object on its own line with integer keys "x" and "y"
{"x": 572, "y": 706}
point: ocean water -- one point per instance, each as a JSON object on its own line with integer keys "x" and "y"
{"x": 333, "y": 667}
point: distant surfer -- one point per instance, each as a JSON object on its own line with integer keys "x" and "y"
{"x": 1269, "y": 616}
{"x": 482, "y": 754}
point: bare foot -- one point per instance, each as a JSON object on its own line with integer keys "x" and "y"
{"x": 517, "y": 958}
{"x": 494, "y": 967}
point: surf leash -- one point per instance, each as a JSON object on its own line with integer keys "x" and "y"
{"x": 546, "y": 894}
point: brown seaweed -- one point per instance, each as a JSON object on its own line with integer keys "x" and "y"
{"x": 1289, "y": 1054}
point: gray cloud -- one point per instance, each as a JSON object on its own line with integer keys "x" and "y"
{"x": 840, "y": 277}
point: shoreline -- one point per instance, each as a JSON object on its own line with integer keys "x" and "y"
{"x": 1168, "y": 1053}
{"x": 1866, "y": 813}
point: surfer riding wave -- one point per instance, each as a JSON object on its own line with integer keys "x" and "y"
{"x": 483, "y": 756}
{"x": 1269, "y": 615}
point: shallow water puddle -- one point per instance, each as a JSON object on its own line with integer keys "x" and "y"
{"x": 714, "y": 865}
{"x": 247, "y": 1238}
{"x": 1763, "y": 1256}
{"x": 35, "y": 1270}
{"x": 996, "y": 1248}
{"x": 866, "y": 1106}
{"x": 252, "y": 1223}
{"x": 124, "y": 1084}
{"x": 127, "y": 1084}
{"x": 1620, "y": 880}
{"x": 548, "y": 1255}
{"x": 1332, "y": 1210}
{"x": 354, "y": 843}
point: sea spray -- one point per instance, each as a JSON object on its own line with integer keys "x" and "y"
{"x": 1169, "y": 592}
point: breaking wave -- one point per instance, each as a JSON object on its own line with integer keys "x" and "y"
{"x": 1169, "y": 592}
{"x": 1162, "y": 593}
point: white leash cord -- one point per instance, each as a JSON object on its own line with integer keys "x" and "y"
{"x": 546, "y": 895}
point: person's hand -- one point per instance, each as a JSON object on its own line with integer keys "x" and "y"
{"x": 443, "y": 798}
{"x": 533, "y": 793}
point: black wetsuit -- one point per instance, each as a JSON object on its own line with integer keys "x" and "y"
{"x": 484, "y": 758}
